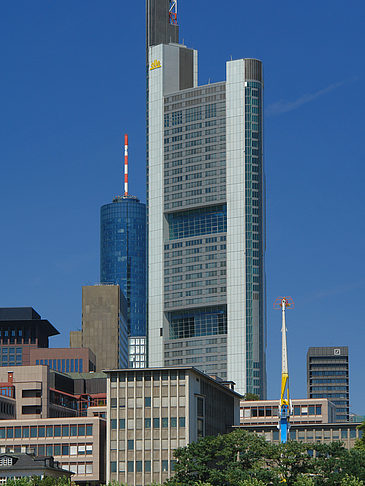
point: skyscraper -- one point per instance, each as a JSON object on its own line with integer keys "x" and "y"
{"x": 123, "y": 263}
{"x": 206, "y": 212}
{"x": 328, "y": 377}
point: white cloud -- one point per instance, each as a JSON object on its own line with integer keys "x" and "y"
{"x": 283, "y": 106}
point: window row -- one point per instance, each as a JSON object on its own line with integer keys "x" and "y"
{"x": 46, "y": 431}
{"x": 149, "y": 423}
{"x": 63, "y": 365}
{"x": 142, "y": 466}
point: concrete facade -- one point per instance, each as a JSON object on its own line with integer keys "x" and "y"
{"x": 104, "y": 325}
{"x": 151, "y": 412}
{"x": 265, "y": 412}
{"x": 77, "y": 443}
{"x": 345, "y": 432}
{"x": 65, "y": 360}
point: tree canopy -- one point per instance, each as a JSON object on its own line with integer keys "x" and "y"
{"x": 242, "y": 458}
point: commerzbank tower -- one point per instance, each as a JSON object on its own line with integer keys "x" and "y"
{"x": 206, "y": 210}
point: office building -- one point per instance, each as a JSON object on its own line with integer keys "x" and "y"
{"x": 123, "y": 255}
{"x": 305, "y": 411}
{"x": 151, "y": 412}
{"x": 328, "y": 377}
{"x": 76, "y": 443}
{"x": 66, "y": 360}
{"x": 104, "y": 326}
{"x": 206, "y": 211}
{"x": 326, "y": 433}
{"x": 22, "y": 329}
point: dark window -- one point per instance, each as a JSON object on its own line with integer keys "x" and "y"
{"x": 65, "y": 431}
{"x": 89, "y": 429}
{"x": 131, "y": 445}
{"x": 41, "y": 431}
{"x": 57, "y": 431}
{"x": 49, "y": 431}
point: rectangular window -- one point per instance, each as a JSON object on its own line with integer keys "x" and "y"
{"x": 80, "y": 365}
{"x": 156, "y": 423}
{"x": 89, "y": 429}
{"x": 147, "y": 466}
{"x": 113, "y": 424}
{"x": 81, "y": 429}
{"x": 181, "y": 421}
{"x": 147, "y": 401}
{"x": 138, "y": 466}
{"x": 49, "y": 450}
{"x": 147, "y": 423}
{"x": 65, "y": 449}
{"x": 130, "y": 466}
{"x": 41, "y": 431}
{"x": 49, "y": 431}
{"x": 18, "y": 432}
{"x": 57, "y": 431}
{"x": 65, "y": 431}
{"x": 131, "y": 445}
{"x": 122, "y": 423}
{"x": 33, "y": 431}
{"x": 25, "y": 432}
{"x": 165, "y": 466}
{"x": 113, "y": 466}
{"x": 173, "y": 422}
{"x": 165, "y": 422}
{"x": 57, "y": 450}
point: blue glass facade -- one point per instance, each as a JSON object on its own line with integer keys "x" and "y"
{"x": 123, "y": 255}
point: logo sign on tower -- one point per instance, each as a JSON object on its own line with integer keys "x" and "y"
{"x": 155, "y": 65}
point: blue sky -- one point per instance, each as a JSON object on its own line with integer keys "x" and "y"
{"x": 73, "y": 81}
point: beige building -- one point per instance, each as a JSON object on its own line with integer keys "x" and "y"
{"x": 324, "y": 433}
{"x": 104, "y": 326}
{"x": 265, "y": 412}
{"x": 153, "y": 411}
{"x": 77, "y": 443}
{"x": 34, "y": 392}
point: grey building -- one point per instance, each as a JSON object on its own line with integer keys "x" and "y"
{"x": 104, "y": 326}
{"x": 151, "y": 412}
{"x": 206, "y": 212}
{"x": 16, "y": 466}
{"x": 328, "y": 377}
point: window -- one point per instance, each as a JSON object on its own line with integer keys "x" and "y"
{"x": 89, "y": 429}
{"x": 130, "y": 466}
{"x": 113, "y": 424}
{"x": 147, "y": 423}
{"x": 41, "y": 431}
{"x": 49, "y": 430}
{"x": 138, "y": 466}
{"x": 165, "y": 466}
{"x": 147, "y": 401}
{"x": 49, "y": 450}
{"x": 122, "y": 424}
{"x": 156, "y": 423}
{"x": 81, "y": 429}
{"x": 18, "y": 432}
{"x": 131, "y": 445}
{"x": 33, "y": 431}
{"x": 113, "y": 466}
{"x": 73, "y": 430}
{"x": 181, "y": 421}
{"x": 57, "y": 450}
{"x": 173, "y": 422}
{"x": 25, "y": 432}
{"x": 147, "y": 466}
{"x": 57, "y": 431}
{"x": 65, "y": 431}
{"x": 65, "y": 449}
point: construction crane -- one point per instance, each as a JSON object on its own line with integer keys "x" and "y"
{"x": 285, "y": 408}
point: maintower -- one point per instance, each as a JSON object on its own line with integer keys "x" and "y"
{"x": 206, "y": 218}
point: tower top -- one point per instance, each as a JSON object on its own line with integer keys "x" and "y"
{"x": 161, "y": 22}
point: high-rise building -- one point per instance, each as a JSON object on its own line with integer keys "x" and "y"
{"x": 104, "y": 325}
{"x": 123, "y": 254}
{"x": 328, "y": 377}
{"x": 206, "y": 211}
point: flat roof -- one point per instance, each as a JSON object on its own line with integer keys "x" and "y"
{"x": 177, "y": 368}
{"x": 46, "y": 326}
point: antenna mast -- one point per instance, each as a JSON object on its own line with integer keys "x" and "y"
{"x": 125, "y": 165}
{"x": 285, "y": 409}
{"x": 173, "y": 12}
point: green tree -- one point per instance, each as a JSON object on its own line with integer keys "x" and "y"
{"x": 351, "y": 481}
{"x": 235, "y": 458}
{"x": 360, "y": 443}
{"x": 251, "y": 397}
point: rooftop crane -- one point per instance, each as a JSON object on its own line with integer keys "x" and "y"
{"x": 285, "y": 408}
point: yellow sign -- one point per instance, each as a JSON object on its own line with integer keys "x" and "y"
{"x": 156, "y": 64}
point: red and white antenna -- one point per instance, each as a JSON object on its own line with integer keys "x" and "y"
{"x": 126, "y": 165}
{"x": 173, "y": 12}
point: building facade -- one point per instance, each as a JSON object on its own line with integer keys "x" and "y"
{"x": 328, "y": 377}
{"x": 21, "y": 330}
{"x": 104, "y": 325}
{"x": 151, "y": 412}
{"x": 206, "y": 216}
{"x": 17, "y": 466}
{"x": 65, "y": 360}
{"x": 76, "y": 443}
{"x": 265, "y": 412}
{"x": 123, "y": 255}
{"x": 345, "y": 432}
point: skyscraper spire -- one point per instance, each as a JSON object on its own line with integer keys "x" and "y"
{"x": 125, "y": 165}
